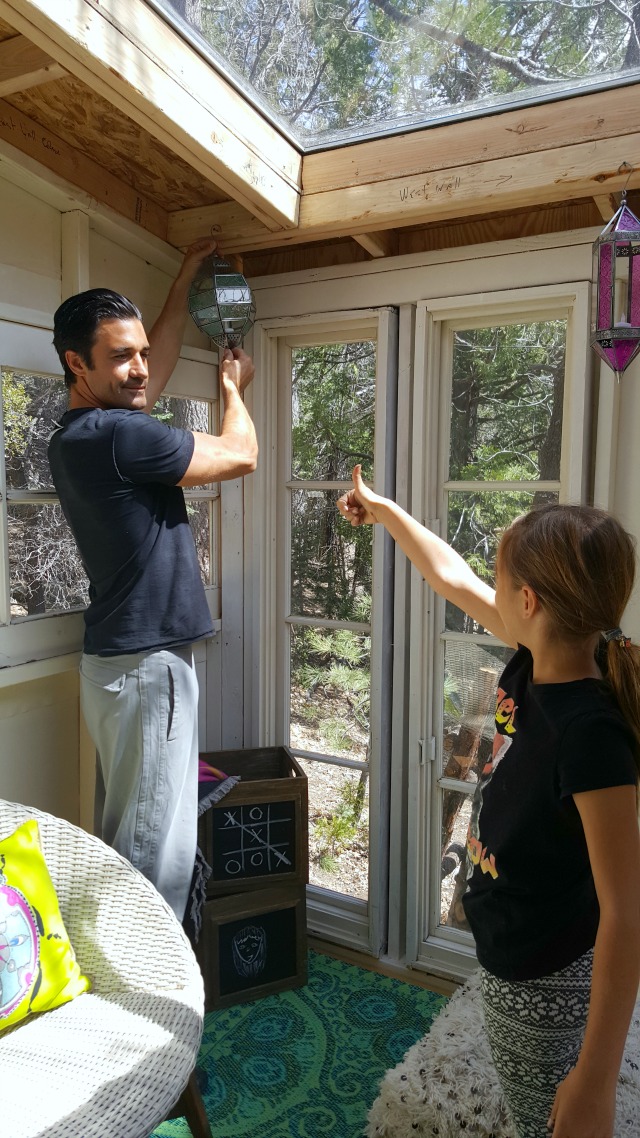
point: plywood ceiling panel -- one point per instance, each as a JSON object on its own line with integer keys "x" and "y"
{"x": 6, "y": 33}
{"x": 85, "y": 120}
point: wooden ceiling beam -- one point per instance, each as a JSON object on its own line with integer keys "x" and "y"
{"x": 382, "y": 244}
{"x": 24, "y": 65}
{"x": 562, "y": 174}
{"x": 75, "y": 167}
{"x": 226, "y": 218}
{"x": 126, "y": 53}
{"x": 528, "y": 130}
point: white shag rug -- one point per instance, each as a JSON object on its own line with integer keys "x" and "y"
{"x": 447, "y": 1087}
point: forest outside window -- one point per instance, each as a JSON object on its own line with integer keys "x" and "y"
{"x": 330, "y": 73}
{"x": 503, "y": 442}
{"x": 42, "y": 570}
{"x": 332, "y": 410}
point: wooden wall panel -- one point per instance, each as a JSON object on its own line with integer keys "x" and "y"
{"x": 113, "y": 266}
{"x": 30, "y": 250}
{"x": 39, "y": 728}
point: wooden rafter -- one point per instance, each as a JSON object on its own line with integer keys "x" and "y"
{"x": 76, "y": 168}
{"x": 378, "y": 244}
{"x": 24, "y": 65}
{"x": 125, "y": 52}
{"x": 607, "y": 204}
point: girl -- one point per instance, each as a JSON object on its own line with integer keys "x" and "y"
{"x": 553, "y": 852}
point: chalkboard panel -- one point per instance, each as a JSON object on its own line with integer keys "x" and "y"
{"x": 253, "y": 840}
{"x": 259, "y": 829}
{"x": 257, "y": 950}
{"x": 252, "y": 944}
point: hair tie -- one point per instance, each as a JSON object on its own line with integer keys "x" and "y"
{"x": 617, "y": 634}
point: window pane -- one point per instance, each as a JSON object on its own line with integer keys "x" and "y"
{"x": 471, "y": 674}
{"x": 475, "y": 522}
{"x": 342, "y": 72}
{"x": 45, "y": 571}
{"x": 506, "y": 415}
{"x": 338, "y": 828}
{"x": 457, "y": 812}
{"x": 31, "y": 404}
{"x": 330, "y": 561}
{"x": 332, "y": 410}
{"x": 199, "y": 514}
{"x": 190, "y": 414}
{"x": 330, "y": 686}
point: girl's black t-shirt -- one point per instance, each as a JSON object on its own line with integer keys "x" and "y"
{"x": 531, "y": 901}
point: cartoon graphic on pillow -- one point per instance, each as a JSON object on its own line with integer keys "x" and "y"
{"x": 20, "y": 931}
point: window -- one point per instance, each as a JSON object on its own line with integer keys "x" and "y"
{"x": 40, "y": 567}
{"x": 203, "y": 504}
{"x": 329, "y": 631}
{"x": 509, "y": 384}
{"x": 45, "y": 574}
{"x": 326, "y": 401}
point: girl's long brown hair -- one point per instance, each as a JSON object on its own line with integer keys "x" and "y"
{"x": 580, "y": 563}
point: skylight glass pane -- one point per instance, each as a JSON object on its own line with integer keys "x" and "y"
{"x": 337, "y": 70}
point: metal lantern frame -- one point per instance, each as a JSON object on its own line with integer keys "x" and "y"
{"x": 221, "y": 302}
{"x": 617, "y": 342}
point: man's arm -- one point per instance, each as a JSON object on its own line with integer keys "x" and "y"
{"x": 234, "y": 452}
{"x": 167, "y": 334}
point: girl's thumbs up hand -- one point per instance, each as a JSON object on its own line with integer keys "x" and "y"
{"x": 358, "y": 506}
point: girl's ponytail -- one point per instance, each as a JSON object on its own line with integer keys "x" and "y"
{"x": 620, "y": 662}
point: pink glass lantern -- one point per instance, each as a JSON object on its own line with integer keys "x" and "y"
{"x": 615, "y": 324}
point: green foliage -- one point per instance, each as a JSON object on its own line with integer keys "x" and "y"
{"x": 506, "y": 426}
{"x": 15, "y": 411}
{"x": 334, "y": 665}
{"x": 333, "y": 397}
{"x": 338, "y": 831}
{"x": 336, "y": 66}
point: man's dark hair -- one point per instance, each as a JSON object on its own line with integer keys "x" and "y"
{"x": 75, "y": 323}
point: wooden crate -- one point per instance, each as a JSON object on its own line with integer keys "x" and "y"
{"x": 253, "y": 944}
{"x": 257, "y": 836}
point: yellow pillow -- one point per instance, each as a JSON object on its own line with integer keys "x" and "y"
{"x": 38, "y": 968}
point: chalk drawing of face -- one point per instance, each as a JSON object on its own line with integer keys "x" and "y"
{"x": 249, "y": 950}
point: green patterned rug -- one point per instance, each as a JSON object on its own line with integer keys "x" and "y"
{"x": 306, "y": 1063}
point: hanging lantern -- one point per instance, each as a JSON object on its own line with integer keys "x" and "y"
{"x": 221, "y": 303}
{"x": 615, "y": 324}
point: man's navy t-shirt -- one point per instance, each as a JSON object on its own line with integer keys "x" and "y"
{"x": 116, "y": 473}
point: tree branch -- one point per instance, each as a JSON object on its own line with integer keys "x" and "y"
{"x": 473, "y": 50}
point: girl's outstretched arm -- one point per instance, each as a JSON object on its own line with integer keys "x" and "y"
{"x": 586, "y": 1100}
{"x": 443, "y": 569}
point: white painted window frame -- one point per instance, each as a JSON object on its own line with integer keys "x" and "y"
{"x": 344, "y": 920}
{"x": 448, "y": 951}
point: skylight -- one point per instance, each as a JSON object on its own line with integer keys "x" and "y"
{"x": 330, "y": 72}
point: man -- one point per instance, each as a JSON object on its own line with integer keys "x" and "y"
{"x": 119, "y": 474}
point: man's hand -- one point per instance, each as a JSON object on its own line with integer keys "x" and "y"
{"x": 165, "y": 338}
{"x": 582, "y": 1109}
{"x": 236, "y": 367}
{"x": 358, "y": 506}
{"x": 194, "y": 257}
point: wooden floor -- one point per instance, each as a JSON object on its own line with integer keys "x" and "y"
{"x": 361, "y": 960}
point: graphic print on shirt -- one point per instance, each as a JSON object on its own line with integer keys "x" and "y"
{"x": 502, "y": 740}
